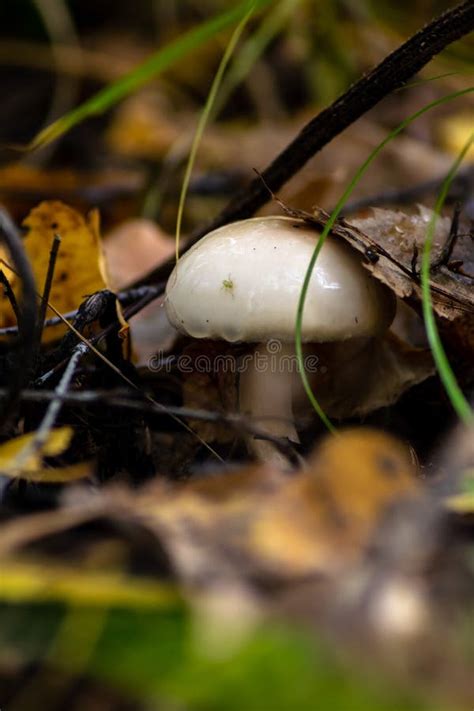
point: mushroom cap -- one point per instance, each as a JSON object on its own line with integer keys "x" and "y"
{"x": 242, "y": 282}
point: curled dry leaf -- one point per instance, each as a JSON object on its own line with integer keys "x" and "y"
{"x": 397, "y": 239}
{"x": 391, "y": 242}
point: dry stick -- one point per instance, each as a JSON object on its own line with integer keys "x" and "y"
{"x": 90, "y": 346}
{"x": 446, "y": 252}
{"x": 122, "y": 400}
{"x": 9, "y": 294}
{"x": 390, "y": 74}
{"x": 125, "y": 297}
{"x": 27, "y": 323}
{"x": 47, "y": 423}
{"x": 48, "y": 283}
{"x": 150, "y": 293}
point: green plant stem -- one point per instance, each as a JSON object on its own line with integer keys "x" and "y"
{"x": 204, "y": 117}
{"x": 454, "y": 392}
{"x": 327, "y": 228}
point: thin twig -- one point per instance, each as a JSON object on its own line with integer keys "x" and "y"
{"x": 35, "y": 445}
{"x": 150, "y": 293}
{"x": 123, "y": 400}
{"x": 90, "y": 345}
{"x": 125, "y": 297}
{"x": 46, "y": 290}
{"x": 10, "y": 295}
{"x": 27, "y": 322}
{"x": 448, "y": 246}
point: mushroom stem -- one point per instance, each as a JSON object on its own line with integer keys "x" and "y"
{"x": 266, "y": 394}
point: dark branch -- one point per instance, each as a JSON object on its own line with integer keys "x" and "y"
{"x": 47, "y": 284}
{"x": 21, "y": 370}
{"x": 396, "y": 69}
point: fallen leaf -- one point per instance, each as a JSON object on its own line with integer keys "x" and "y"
{"x": 77, "y": 272}
{"x": 324, "y": 518}
{"x": 349, "y": 385}
{"x": 262, "y": 524}
{"x": 25, "y": 581}
{"x": 130, "y": 249}
{"x": 17, "y": 462}
{"x": 390, "y": 242}
{"x": 58, "y": 440}
{"x": 23, "y": 186}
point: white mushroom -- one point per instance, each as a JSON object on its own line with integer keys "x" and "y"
{"x": 242, "y": 282}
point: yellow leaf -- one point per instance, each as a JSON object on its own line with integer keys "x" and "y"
{"x": 463, "y": 501}
{"x": 17, "y": 462}
{"x": 57, "y": 475}
{"x": 58, "y": 440}
{"x": 77, "y": 273}
{"x": 34, "y": 582}
{"x": 454, "y": 132}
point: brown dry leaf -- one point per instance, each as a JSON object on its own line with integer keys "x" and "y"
{"x": 375, "y": 377}
{"x": 394, "y": 237}
{"x": 257, "y": 523}
{"x": 77, "y": 273}
{"x": 129, "y": 251}
{"x": 262, "y": 523}
{"x": 22, "y": 186}
{"x": 391, "y": 240}
{"x": 323, "y": 519}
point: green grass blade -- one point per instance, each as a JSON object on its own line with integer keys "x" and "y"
{"x": 154, "y": 65}
{"x": 253, "y": 48}
{"x": 322, "y": 238}
{"x": 454, "y": 392}
{"x": 204, "y": 117}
